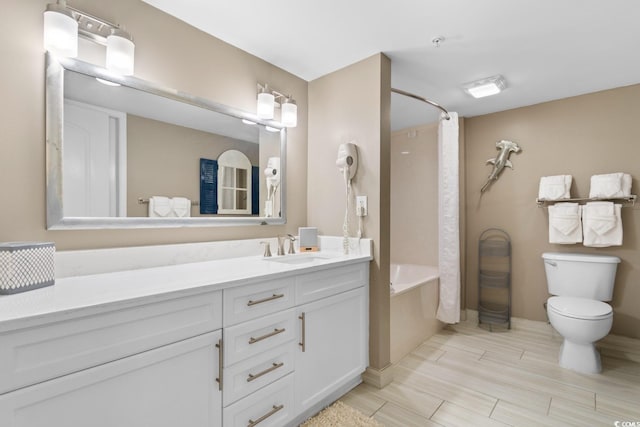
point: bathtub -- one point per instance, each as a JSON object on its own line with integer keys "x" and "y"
{"x": 405, "y": 277}
{"x": 414, "y": 301}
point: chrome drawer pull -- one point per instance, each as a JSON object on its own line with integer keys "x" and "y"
{"x": 260, "y": 301}
{"x": 276, "y": 331}
{"x": 303, "y": 344}
{"x": 265, "y": 416}
{"x": 275, "y": 366}
{"x": 220, "y": 363}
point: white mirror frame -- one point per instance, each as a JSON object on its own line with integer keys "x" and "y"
{"x": 54, "y": 100}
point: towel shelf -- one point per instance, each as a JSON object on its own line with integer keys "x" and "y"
{"x": 146, "y": 202}
{"x": 626, "y": 201}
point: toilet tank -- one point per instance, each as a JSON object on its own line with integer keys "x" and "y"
{"x": 581, "y": 275}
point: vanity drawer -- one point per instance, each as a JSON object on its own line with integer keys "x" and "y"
{"x": 269, "y": 406}
{"x": 249, "y": 302}
{"x": 35, "y": 354}
{"x": 256, "y": 336}
{"x": 324, "y": 283}
{"x": 252, "y": 374}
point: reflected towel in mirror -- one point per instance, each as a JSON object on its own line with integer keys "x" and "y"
{"x": 181, "y": 207}
{"x": 167, "y": 207}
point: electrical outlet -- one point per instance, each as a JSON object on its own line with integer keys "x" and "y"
{"x": 361, "y": 206}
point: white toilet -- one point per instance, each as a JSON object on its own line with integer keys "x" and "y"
{"x": 580, "y": 283}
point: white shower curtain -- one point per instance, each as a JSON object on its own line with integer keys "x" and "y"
{"x": 448, "y": 221}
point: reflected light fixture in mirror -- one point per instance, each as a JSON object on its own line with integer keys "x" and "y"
{"x": 269, "y": 99}
{"x": 60, "y": 30}
{"x": 63, "y": 24}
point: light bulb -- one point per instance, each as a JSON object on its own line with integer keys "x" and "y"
{"x": 265, "y": 105}
{"x": 120, "y": 53}
{"x": 289, "y": 113}
{"x": 60, "y": 31}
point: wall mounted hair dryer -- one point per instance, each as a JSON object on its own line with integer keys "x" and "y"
{"x": 347, "y": 161}
{"x": 272, "y": 176}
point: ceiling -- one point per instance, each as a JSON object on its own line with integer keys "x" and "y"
{"x": 545, "y": 49}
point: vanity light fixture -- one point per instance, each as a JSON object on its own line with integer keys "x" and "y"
{"x": 485, "y": 87}
{"x": 269, "y": 99}
{"x": 63, "y": 24}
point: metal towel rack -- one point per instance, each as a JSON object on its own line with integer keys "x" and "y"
{"x": 628, "y": 201}
{"x": 146, "y": 202}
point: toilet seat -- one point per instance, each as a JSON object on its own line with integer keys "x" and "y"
{"x": 580, "y": 308}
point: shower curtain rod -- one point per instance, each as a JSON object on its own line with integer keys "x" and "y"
{"x": 419, "y": 98}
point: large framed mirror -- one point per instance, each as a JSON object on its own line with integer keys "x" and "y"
{"x": 127, "y": 153}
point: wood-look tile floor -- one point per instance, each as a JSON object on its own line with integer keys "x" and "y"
{"x": 467, "y": 376}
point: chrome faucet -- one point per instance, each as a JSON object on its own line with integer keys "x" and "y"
{"x": 292, "y": 249}
{"x": 267, "y": 249}
{"x": 281, "y": 245}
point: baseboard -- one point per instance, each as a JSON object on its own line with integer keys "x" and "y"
{"x": 516, "y": 322}
{"x": 378, "y": 377}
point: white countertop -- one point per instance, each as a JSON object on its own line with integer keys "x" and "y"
{"x": 78, "y": 296}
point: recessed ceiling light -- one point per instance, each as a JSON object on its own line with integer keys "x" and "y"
{"x": 485, "y": 87}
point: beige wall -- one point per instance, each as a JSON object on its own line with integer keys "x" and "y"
{"x": 582, "y": 136}
{"x": 352, "y": 104}
{"x": 414, "y": 195}
{"x": 168, "y": 52}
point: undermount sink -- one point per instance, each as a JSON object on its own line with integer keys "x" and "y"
{"x": 298, "y": 259}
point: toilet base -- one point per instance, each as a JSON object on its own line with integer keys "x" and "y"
{"x": 580, "y": 357}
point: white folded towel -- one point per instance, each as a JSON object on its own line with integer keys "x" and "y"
{"x": 602, "y": 224}
{"x": 555, "y": 187}
{"x": 610, "y": 185}
{"x": 160, "y": 206}
{"x": 565, "y": 226}
{"x": 181, "y": 207}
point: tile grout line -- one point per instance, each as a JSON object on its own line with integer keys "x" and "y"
{"x": 437, "y": 409}
{"x": 494, "y": 408}
{"x": 378, "y": 410}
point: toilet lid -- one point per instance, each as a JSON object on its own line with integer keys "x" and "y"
{"x": 579, "y": 308}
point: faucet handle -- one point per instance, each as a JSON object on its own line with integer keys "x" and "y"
{"x": 292, "y": 249}
{"x": 267, "y": 249}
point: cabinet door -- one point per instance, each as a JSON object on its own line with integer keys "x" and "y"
{"x": 335, "y": 337}
{"x": 173, "y": 385}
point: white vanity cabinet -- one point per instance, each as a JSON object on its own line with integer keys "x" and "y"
{"x": 153, "y": 364}
{"x": 172, "y": 347}
{"x": 259, "y": 350}
{"x": 333, "y": 347}
{"x": 296, "y": 352}
{"x": 174, "y": 385}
